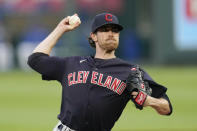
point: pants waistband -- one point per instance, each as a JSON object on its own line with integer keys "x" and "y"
{"x": 63, "y": 127}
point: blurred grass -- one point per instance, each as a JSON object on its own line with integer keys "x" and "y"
{"x": 28, "y": 103}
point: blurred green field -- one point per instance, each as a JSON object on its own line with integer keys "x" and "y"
{"x": 28, "y": 103}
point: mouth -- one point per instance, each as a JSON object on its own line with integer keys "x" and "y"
{"x": 111, "y": 40}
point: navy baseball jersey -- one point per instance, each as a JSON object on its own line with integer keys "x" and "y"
{"x": 93, "y": 90}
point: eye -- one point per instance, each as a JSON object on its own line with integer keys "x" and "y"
{"x": 102, "y": 30}
{"x": 107, "y": 29}
{"x": 116, "y": 30}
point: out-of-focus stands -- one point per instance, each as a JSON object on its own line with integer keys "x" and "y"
{"x": 6, "y": 50}
{"x": 21, "y": 29}
{"x": 27, "y": 23}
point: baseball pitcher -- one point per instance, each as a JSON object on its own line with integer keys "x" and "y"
{"x": 96, "y": 89}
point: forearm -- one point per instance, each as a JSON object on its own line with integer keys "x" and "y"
{"x": 50, "y": 41}
{"x": 159, "y": 104}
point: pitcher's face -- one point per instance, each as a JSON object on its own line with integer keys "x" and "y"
{"x": 107, "y": 37}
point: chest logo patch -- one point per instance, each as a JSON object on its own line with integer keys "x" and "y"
{"x": 97, "y": 78}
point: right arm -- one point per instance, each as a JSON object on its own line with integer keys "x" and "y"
{"x": 40, "y": 61}
{"x": 50, "y": 41}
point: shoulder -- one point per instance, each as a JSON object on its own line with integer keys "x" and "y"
{"x": 130, "y": 65}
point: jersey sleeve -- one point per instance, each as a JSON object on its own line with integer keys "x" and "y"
{"x": 51, "y": 68}
{"x": 157, "y": 89}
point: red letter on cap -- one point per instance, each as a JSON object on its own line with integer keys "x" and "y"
{"x": 108, "y": 17}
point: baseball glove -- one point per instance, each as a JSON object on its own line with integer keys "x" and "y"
{"x": 136, "y": 83}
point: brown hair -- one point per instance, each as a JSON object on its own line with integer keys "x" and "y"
{"x": 92, "y": 43}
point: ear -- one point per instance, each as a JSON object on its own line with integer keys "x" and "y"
{"x": 93, "y": 36}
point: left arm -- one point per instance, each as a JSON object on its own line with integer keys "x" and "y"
{"x": 147, "y": 93}
{"x": 161, "y": 105}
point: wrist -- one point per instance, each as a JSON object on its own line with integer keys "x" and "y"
{"x": 149, "y": 101}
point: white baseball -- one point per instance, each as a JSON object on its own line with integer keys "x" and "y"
{"x": 73, "y": 20}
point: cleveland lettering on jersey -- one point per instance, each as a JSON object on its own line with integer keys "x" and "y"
{"x": 97, "y": 78}
{"x": 80, "y": 78}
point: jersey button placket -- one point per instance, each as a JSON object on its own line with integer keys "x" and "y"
{"x": 88, "y": 110}
{"x": 86, "y": 123}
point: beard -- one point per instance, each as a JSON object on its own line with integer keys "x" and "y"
{"x": 109, "y": 45}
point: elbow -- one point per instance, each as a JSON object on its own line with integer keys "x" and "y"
{"x": 30, "y": 61}
{"x": 33, "y": 60}
{"x": 166, "y": 110}
{"x": 169, "y": 112}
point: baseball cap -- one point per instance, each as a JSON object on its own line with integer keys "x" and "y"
{"x": 105, "y": 19}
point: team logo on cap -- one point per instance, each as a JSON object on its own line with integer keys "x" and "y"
{"x": 108, "y": 17}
